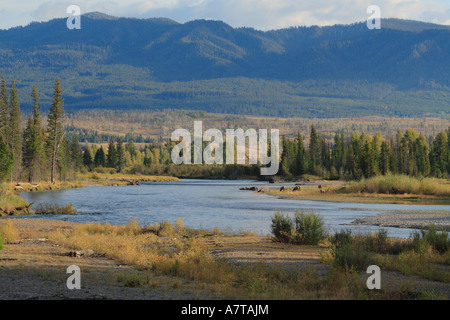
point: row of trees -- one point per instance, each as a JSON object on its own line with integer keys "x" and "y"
{"x": 363, "y": 155}
{"x": 125, "y": 155}
{"x": 36, "y": 152}
{"x": 44, "y": 152}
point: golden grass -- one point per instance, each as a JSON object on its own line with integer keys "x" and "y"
{"x": 106, "y": 178}
{"x": 374, "y": 190}
{"x": 9, "y": 233}
{"x": 171, "y": 250}
{"x": 401, "y": 184}
{"x": 9, "y": 201}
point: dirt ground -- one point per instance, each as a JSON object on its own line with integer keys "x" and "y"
{"x": 34, "y": 268}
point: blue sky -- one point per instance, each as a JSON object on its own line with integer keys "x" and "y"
{"x": 260, "y": 14}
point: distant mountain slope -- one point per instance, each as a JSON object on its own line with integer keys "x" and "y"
{"x": 402, "y": 69}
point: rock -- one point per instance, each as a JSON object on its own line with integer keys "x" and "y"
{"x": 82, "y": 253}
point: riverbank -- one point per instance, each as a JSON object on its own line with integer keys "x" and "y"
{"x": 171, "y": 262}
{"x": 334, "y": 192}
{"x": 392, "y": 189}
{"x": 11, "y": 204}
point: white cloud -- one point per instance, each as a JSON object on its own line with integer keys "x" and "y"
{"x": 261, "y": 14}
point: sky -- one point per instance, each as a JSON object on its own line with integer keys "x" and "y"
{"x": 259, "y": 14}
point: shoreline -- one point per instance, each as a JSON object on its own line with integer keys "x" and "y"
{"x": 407, "y": 220}
{"x": 309, "y": 192}
{"x": 33, "y": 266}
{"x": 12, "y": 204}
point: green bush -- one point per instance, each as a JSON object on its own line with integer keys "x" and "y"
{"x": 348, "y": 252}
{"x": 282, "y": 227}
{"x": 309, "y": 228}
{"x": 305, "y": 228}
{"x": 376, "y": 242}
{"x": 350, "y": 257}
{"x": 439, "y": 241}
{"x": 341, "y": 238}
{"x": 53, "y": 208}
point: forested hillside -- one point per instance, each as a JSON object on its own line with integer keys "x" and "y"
{"x": 336, "y": 71}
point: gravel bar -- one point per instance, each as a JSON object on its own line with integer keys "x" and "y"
{"x": 407, "y": 220}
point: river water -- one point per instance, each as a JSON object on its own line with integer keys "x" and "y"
{"x": 207, "y": 204}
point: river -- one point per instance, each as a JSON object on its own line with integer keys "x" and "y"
{"x": 208, "y": 204}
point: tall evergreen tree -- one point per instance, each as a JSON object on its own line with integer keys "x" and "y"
{"x": 6, "y": 161}
{"x": 440, "y": 154}
{"x": 314, "y": 150}
{"x": 111, "y": 158}
{"x": 33, "y": 142}
{"x": 76, "y": 153}
{"x": 120, "y": 156}
{"x": 15, "y": 132}
{"x": 87, "y": 159}
{"x": 4, "y": 111}
{"x": 385, "y": 158}
{"x": 301, "y": 156}
{"x": 55, "y": 128}
{"x": 100, "y": 158}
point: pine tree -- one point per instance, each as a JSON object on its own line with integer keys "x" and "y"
{"x": 55, "y": 128}
{"x": 33, "y": 142}
{"x": 314, "y": 150}
{"x": 301, "y": 156}
{"x": 120, "y": 156}
{"x": 385, "y": 158}
{"x": 100, "y": 158}
{"x": 15, "y": 132}
{"x": 76, "y": 153}
{"x": 6, "y": 161}
{"x": 87, "y": 159}
{"x": 422, "y": 155}
{"x": 4, "y": 112}
{"x": 111, "y": 158}
{"x": 440, "y": 154}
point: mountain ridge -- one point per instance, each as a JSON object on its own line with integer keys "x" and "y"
{"x": 118, "y": 62}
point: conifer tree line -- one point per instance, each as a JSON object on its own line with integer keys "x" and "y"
{"x": 121, "y": 156}
{"x": 362, "y": 155}
{"x": 36, "y": 151}
{"x": 41, "y": 150}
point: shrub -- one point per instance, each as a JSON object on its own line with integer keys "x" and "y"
{"x": 349, "y": 253}
{"x": 309, "y": 228}
{"x": 53, "y": 208}
{"x": 341, "y": 238}
{"x": 439, "y": 241}
{"x": 305, "y": 228}
{"x": 350, "y": 257}
{"x": 282, "y": 227}
{"x": 376, "y": 242}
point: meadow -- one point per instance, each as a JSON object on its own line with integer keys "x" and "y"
{"x": 193, "y": 260}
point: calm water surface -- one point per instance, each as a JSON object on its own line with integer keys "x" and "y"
{"x": 207, "y": 204}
